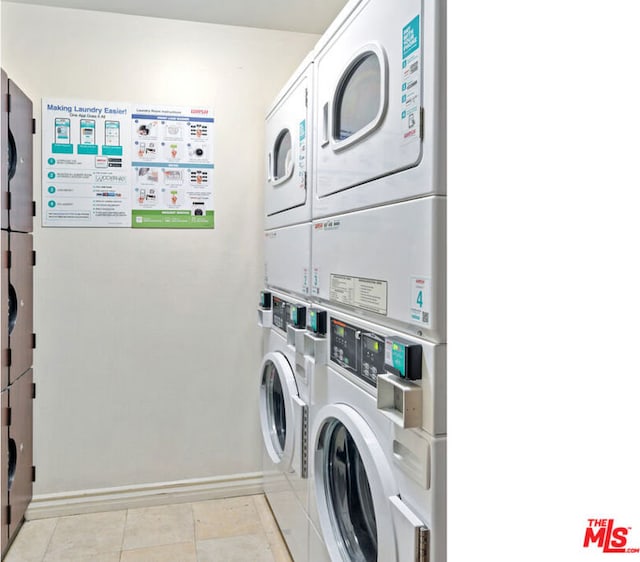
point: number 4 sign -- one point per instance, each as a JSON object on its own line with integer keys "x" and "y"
{"x": 420, "y": 306}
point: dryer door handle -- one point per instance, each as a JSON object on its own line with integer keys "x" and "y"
{"x": 325, "y": 125}
{"x": 269, "y": 166}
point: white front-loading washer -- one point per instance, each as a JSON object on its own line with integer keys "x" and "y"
{"x": 285, "y": 396}
{"x": 397, "y": 385}
{"x": 288, "y": 130}
{"x": 283, "y": 421}
{"x": 380, "y": 87}
{"x": 386, "y": 264}
{"x": 370, "y": 505}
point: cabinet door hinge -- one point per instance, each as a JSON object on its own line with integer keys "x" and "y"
{"x": 423, "y": 544}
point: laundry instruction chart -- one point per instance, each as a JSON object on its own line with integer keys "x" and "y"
{"x": 172, "y": 153}
{"x": 111, "y": 164}
{"x": 86, "y": 166}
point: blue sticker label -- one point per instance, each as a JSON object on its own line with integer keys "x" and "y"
{"x": 399, "y": 358}
{"x": 303, "y": 129}
{"x": 411, "y": 37}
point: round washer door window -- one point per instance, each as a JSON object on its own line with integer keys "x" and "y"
{"x": 277, "y": 388}
{"x": 353, "y": 483}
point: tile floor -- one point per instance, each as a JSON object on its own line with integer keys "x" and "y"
{"x": 229, "y": 530}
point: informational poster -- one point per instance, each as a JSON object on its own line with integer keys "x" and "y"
{"x": 111, "y": 164}
{"x": 172, "y": 167}
{"x": 86, "y": 167}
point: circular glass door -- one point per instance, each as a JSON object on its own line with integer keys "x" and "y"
{"x": 283, "y": 157}
{"x": 353, "y": 483}
{"x": 277, "y": 387}
{"x": 349, "y": 494}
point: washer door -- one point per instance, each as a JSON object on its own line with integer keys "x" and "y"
{"x": 277, "y": 392}
{"x": 353, "y": 484}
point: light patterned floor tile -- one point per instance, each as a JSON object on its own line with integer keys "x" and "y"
{"x": 86, "y": 536}
{"x": 272, "y": 532}
{"x": 181, "y": 552}
{"x": 32, "y": 541}
{"x": 226, "y": 518}
{"x": 104, "y": 557}
{"x": 254, "y": 548}
{"x": 161, "y": 525}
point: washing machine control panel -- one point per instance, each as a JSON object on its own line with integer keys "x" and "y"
{"x": 359, "y": 351}
{"x": 372, "y": 357}
{"x": 280, "y": 313}
{"x": 288, "y": 314}
{"x": 344, "y": 345}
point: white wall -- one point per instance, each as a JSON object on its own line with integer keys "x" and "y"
{"x": 148, "y": 350}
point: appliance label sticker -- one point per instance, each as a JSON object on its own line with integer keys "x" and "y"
{"x": 315, "y": 284}
{"x": 302, "y": 156}
{"x": 420, "y": 306}
{"x": 367, "y": 294}
{"x": 305, "y": 281}
{"x": 395, "y": 355}
{"x": 411, "y": 83}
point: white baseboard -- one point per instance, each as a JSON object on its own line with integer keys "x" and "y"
{"x": 143, "y": 495}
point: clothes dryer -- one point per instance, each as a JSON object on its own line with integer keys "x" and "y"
{"x": 380, "y": 106}
{"x": 287, "y": 259}
{"x": 386, "y": 264}
{"x": 288, "y": 129}
{"x": 21, "y": 336}
{"x": 370, "y": 505}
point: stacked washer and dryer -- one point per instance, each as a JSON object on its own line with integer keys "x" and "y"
{"x": 18, "y": 339}
{"x": 370, "y": 271}
{"x": 285, "y": 379}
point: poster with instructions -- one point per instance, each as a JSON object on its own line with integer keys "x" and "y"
{"x": 86, "y": 166}
{"x": 172, "y": 163}
{"x": 129, "y": 165}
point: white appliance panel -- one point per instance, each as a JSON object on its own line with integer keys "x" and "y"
{"x": 432, "y": 384}
{"x": 288, "y": 143}
{"x": 380, "y": 107}
{"x": 386, "y": 264}
{"x": 384, "y": 500}
{"x": 287, "y": 255}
